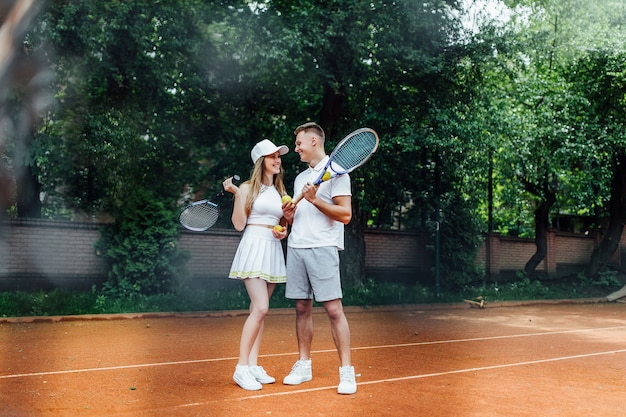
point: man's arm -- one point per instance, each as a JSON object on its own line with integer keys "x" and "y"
{"x": 340, "y": 211}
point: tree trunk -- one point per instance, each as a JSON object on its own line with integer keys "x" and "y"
{"x": 353, "y": 256}
{"x": 542, "y": 220}
{"x": 602, "y": 254}
{"x": 28, "y": 190}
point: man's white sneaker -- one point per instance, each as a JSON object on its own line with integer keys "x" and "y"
{"x": 300, "y": 372}
{"x": 245, "y": 380}
{"x": 260, "y": 375}
{"x": 347, "y": 381}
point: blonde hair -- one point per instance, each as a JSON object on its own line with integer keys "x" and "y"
{"x": 311, "y": 126}
{"x": 255, "y": 181}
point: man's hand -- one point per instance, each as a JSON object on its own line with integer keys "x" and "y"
{"x": 309, "y": 191}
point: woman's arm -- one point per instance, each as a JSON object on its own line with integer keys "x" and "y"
{"x": 239, "y": 217}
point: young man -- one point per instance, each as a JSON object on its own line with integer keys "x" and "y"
{"x": 312, "y": 255}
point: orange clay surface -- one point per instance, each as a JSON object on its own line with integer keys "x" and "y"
{"x": 538, "y": 359}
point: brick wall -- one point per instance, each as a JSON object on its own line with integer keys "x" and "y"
{"x": 48, "y": 254}
{"x": 568, "y": 253}
{"x": 38, "y": 254}
{"x": 211, "y": 256}
{"x": 397, "y": 256}
{"x": 574, "y": 249}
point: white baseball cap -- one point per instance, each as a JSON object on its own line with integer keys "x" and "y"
{"x": 266, "y": 147}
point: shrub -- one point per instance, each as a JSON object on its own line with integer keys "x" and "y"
{"x": 141, "y": 248}
{"x": 460, "y": 240}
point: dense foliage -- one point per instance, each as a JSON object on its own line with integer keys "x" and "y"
{"x": 511, "y": 123}
{"x": 370, "y": 293}
{"x": 141, "y": 248}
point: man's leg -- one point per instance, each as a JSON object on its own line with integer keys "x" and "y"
{"x": 301, "y": 370}
{"x": 304, "y": 327}
{"x": 340, "y": 329}
{"x": 341, "y": 335}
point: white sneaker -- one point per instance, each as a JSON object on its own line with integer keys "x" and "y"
{"x": 245, "y": 380}
{"x": 300, "y": 372}
{"x": 260, "y": 375}
{"x": 347, "y": 381}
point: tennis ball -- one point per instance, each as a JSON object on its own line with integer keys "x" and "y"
{"x": 286, "y": 198}
{"x": 279, "y": 228}
{"x": 326, "y": 176}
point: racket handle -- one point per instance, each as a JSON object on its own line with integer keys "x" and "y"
{"x": 301, "y": 196}
{"x": 236, "y": 179}
{"x": 297, "y": 199}
{"x": 222, "y": 193}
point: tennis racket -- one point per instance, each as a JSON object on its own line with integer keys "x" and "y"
{"x": 353, "y": 151}
{"x": 201, "y": 215}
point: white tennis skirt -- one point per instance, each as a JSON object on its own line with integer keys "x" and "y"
{"x": 259, "y": 255}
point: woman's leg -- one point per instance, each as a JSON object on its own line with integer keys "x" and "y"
{"x": 259, "y": 304}
{"x": 254, "y": 352}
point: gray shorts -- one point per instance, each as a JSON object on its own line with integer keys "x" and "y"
{"x": 313, "y": 272}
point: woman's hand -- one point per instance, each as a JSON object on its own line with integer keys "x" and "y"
{"x": 279, "y": 231}
{"x": 229, "y": 186}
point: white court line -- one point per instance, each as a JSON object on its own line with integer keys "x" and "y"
{"x": 410, "y": 377}
{"x": 147, "y": 365}
{"x": 477, "y": 339}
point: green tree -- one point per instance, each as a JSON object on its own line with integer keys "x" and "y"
{"x": 167, "y": 98}
{"x": 601, "y": 121}
{"x": 132, "y": 97}
{"x": 141, "y": 248}
{"x": 547, "y": 156}
{"x": 387, "y": 71}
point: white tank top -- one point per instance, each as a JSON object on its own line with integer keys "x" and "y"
{"x": 266, "y": 209}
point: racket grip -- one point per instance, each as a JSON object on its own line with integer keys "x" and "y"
{"x": 236, "y": 179}
{"x": 301, "y": 196}
{"x": 297, "y": 199}
{"x": 317, "y": 183}
{"x": 222, "y": 193}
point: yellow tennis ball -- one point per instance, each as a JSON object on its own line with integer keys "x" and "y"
{"x": 326, "y": 176}
{"x": 286, "y": 198}
{"x": 278, "y": 228}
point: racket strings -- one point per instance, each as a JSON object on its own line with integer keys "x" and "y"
{"x": 199, "y": 217}
{"x": 355, "y": 151}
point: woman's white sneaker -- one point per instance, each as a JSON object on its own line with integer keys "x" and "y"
{"x": 260, "y": 375}
{"x": 245, "y": 380}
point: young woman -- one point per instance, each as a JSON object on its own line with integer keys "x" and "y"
{"x": 259, "y": 260}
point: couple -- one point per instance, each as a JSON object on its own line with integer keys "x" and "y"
{"x": 312, "y": 255}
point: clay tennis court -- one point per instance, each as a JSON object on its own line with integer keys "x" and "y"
{"x": 559, "y": 359}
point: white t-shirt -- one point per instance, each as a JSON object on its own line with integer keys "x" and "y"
{"x": 312, "y": 228}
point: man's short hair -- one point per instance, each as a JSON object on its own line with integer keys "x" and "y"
{"x": 311, "y": 126}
